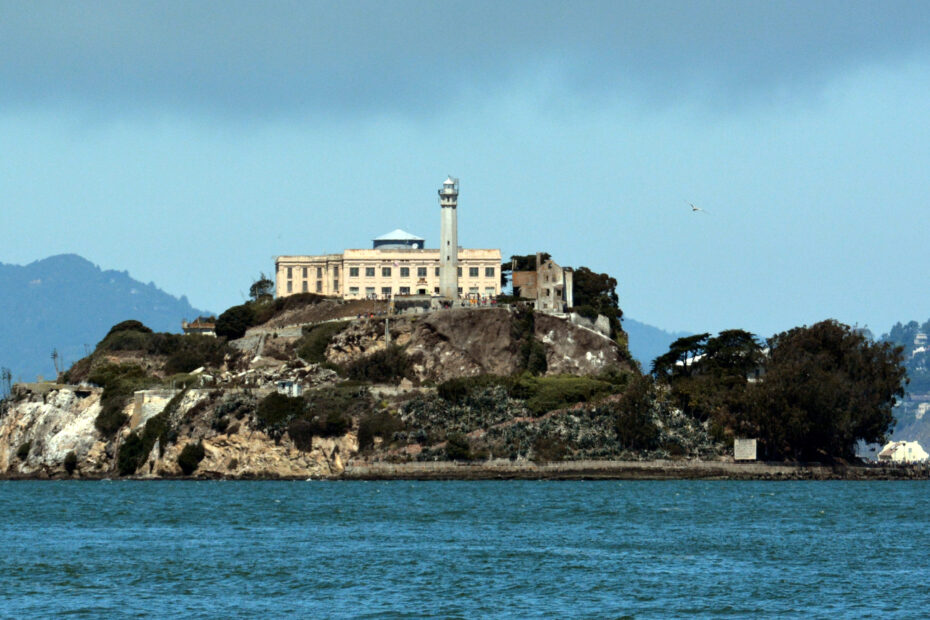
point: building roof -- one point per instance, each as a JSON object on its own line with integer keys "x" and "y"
{"x": 903, "y": 451}
{"x": 398, "y": 235}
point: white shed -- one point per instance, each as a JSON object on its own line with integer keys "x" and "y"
{"x": 903, "y": 452}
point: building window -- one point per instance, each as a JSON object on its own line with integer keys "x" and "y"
{"x": 353, "y": 290}
{"x": 437, "y": 274}
{"x": 305, "y": 286}
{"x": 335, "y": 271}
{"x": 335, "y": 286}
{"x": 489, "y": 272}
{"x": 421, "y": 272}
{"x": 289, "y": 275}
{"x": 472, "y": 272}
{"x": 460, "y": 291}
{"x": 490, "y": 291}
{"x": 473, "y": 290}
{"x": 405, "y": 272}
{"x": 305, "y": 273}
{"x": 386, "y": 291}
{"x": 369, "y": 272}
{"x": 386, "y": 272}
{"x": 435, "y": 290}
{"x": 369, "y": 292}
{"x": 460, "y": 272}
{"x": 421, "y": 291}
{"x": 290, "y": 286}
{"x": 404, "y": 290}
{"x": 319, "y": 286}
{"x": 353, "y": 272}
{"x": 319, "y": 272}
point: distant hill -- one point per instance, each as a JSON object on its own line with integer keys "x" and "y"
{"x": 648, "y": 342}
{"x": 66, "y": 303}
{"x": 913, "y": 417}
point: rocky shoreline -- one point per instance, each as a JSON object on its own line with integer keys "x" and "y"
{"x": 565, "y": 470}
{"x": 628, "y": 470}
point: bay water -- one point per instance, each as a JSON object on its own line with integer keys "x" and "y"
{"x": 501, "y": 549}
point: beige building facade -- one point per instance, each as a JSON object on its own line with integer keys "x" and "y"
{"x": 551, "y": 286}
{"x": 382, "y": 273}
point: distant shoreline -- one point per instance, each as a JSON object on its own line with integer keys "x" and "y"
{"x": 564, "y": 470}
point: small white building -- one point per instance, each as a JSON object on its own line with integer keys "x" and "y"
{"x": 902, "y": 452}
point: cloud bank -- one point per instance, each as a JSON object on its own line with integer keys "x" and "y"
{"x": 284, "y": 58}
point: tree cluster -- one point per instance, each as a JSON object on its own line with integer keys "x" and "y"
{"x": 813, "y": 392}
{"x": 596, "y": 293}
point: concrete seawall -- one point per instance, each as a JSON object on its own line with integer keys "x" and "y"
{"x": 624, "y": 470}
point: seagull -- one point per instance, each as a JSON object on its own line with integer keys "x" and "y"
{"x": 696, "y": 209}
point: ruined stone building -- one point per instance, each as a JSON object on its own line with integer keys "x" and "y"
{"x": 549, "y": 285}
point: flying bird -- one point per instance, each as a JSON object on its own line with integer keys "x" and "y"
{"x": 696, "y": 209}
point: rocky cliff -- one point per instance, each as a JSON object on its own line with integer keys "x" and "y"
{"x": 222, "y": 419}
{"x": 40, "y": 427}
{"x": 460, "y": 342}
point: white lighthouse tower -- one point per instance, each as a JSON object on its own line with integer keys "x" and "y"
{"x": 449, "y": 239}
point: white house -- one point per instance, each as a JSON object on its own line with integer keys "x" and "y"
{"x": 902, "y": 452}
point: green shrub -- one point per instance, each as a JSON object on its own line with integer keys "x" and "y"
{"x": 458, "y": 389}
{"x": 181, "y": 381}
{"x": 301, "y": 433}
{"x": 183, "y": 362}
{"x": 110, "y": 419}
{"x": 220, "y": 424}
{"x": 130, "y": 454}
{"x": 335, "y": 424}
{"x": 125, "y": 340}
{"x": 457, "y": 447}
{"x": 130, "y": 326}
{"x": 22, "y": 453}
{"x": 136, "y": 447}
{"x": 588, "y": 312}
{"x": 531, "y": 352}
{"x": 272, "y": 308}
{"x": 546, "y": 449}
{"x": 388, "y": 365}
{"x": 312, "y": 344}
{"x": 119, "y": 382}
{"x": 233, "y": 322}
{"x": 190, "y": 457}
{"x": 70, "y": 462}
{"x": 636, "y": 428}
{"x": 184, "y": 353}
{"x": 276, "y": 410}
{"x": 377, "y": 424}
{"x": 544, "y": 394}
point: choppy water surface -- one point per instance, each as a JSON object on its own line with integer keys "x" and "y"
{"x": 464, "y": 549}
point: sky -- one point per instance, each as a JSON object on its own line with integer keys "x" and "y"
{"x": 191, "y": 142}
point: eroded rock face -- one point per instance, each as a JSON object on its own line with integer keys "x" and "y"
{"x": 574, "y": 350}
{"x": 62, "y": 421}
{"x": 56, "y": 423}
{"x": 465, "y": 342}
{"x": 252, "y": 454}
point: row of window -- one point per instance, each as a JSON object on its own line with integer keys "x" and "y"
{"x": 306, "y": 286}
{"x": 387, "y": 291}
{"x": 319, "y": 272}
{"x": 421, "y": 272}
